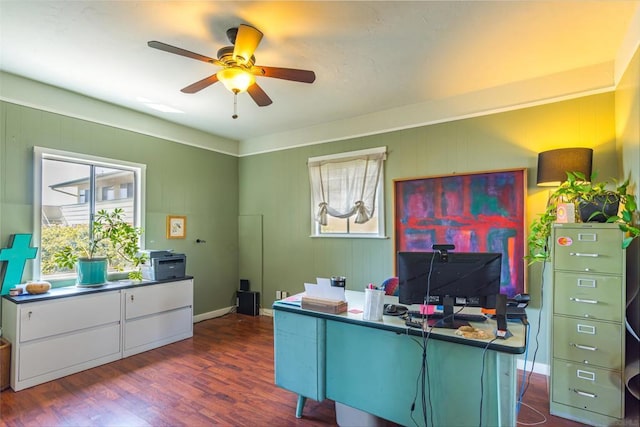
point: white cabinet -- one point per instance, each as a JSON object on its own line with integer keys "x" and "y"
{"x": 54, "y": 338}
{"x": 157, "y": 315}
{"x": 64, "y": 332}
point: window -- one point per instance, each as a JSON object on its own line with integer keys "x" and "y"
{"x": 64, "y": 205}
{"x": 347, "y": 194}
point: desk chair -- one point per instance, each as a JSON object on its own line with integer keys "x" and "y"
{"x": 391, "y": 286}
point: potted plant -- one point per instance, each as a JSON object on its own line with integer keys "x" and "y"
{"x": 594, "y": 201}
{"x": 110, "y": 237}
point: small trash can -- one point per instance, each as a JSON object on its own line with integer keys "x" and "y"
{"x": 5, "y": 363}
{"x": 346, "y": 416}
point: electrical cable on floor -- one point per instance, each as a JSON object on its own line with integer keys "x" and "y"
{"x": 544, "y": 418}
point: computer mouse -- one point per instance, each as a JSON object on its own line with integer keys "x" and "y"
{"x": 391, "y": 308}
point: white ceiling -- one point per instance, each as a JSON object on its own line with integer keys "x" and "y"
{"x": 371, "y": 59}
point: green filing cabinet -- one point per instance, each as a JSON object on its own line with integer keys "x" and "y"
{"x": 587, "y": 343}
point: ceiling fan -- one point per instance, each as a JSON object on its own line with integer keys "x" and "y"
{"x": 238, "y": 71}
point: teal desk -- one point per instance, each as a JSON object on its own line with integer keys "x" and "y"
{"x": 375, "y": 366}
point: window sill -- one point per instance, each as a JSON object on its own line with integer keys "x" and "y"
{"x": 347, "y": 236}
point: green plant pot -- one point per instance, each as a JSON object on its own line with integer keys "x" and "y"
{"x": 598, "y": 209}
{"x": 92, "y": 271}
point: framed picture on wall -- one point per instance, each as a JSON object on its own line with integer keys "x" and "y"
{"x": 476, "y": 212}
{"x": 176, "y": 227}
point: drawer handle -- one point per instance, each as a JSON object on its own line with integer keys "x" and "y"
{"x": 581, "y": 254}
{"x": 584, "y": 347}
{"x": 585, "y": 394}
{"x": 587, "y": 301}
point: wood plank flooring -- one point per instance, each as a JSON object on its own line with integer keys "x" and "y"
{"x": 222, "y": 376}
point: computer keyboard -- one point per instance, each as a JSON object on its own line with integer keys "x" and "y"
{"x": 460, "y": 316}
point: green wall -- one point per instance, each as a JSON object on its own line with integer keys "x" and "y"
{"x": 628, "y": 137}
{"x": 276, "y": 186}
{"x": 180, "y": 180}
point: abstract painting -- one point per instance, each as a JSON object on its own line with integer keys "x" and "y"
{"x": 476, "y": 212}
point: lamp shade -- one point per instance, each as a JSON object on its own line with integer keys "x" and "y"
{"x": 553, "y": 165}
{"x": 236, "y": 79}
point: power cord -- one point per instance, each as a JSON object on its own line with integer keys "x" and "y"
{"x": 423, "y": 376}
{"x": 544, "y": 418}
{"x": 533, "y": 362}
{"x": 484, "y": 353}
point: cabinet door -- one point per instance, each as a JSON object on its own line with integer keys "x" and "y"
{"x": 65, "y": 315}
{"x": 299, "y": 342}
{"x": 149, "y": 332}
{"x": 69, "y": 353}
{"x": 152, "y": 299}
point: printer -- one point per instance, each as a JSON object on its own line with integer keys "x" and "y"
{"x": 163, "y": 265}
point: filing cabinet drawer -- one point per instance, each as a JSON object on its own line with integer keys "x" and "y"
{"x": 588, "y": 295}
{"x": 587, "y": 342}
{"x": 588, "y": 388}
{"x": 43, "y": 319}
{"x": 596, "y": 250}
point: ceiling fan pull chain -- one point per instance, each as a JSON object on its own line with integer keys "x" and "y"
{"x": 235, "y": 105}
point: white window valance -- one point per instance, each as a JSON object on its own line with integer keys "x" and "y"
{"x": 345, "y": 184}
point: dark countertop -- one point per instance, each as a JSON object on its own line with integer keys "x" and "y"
{"x": 69, "y": 291}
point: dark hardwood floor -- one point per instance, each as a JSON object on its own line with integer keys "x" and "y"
{"x": 222, "y": 376}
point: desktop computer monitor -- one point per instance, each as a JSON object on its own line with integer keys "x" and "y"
{"x": 449, "y": 279}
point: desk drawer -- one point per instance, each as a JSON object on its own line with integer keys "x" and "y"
{"x": 589, "y": 388}
{"x": 588, "y": 295}
{"x": 588, "y": 249}
{"x": 299, "y": 353}
{"x": 588, "y": 342}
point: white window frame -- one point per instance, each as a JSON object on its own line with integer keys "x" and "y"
{"x": 40, "y": 153}
{"x": 380, "y": 199}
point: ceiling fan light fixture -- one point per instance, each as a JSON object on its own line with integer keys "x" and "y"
{"x": 236, "y": 79}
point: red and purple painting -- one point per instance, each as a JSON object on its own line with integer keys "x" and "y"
{"x": 477, "y": 212}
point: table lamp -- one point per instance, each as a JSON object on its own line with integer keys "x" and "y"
{"x": 553, "y": 165}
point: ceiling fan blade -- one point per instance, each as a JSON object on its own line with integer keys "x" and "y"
{"x": 247, "y": 40}
{"x": 292, "y": 74}
{"x": 259, "y": 96}
{"x": 199, "y": 85}
{"x": 182, "y": 52}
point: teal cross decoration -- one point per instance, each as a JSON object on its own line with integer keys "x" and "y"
{"x": 16, "y": 256}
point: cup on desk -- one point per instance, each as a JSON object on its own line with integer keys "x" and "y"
{"x": 338, "y": 281}
{"x": 373, "y": 304}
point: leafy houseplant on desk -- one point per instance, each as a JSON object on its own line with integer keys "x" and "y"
{"x": 110, "y": 238}
{"x": 594, "y": 202}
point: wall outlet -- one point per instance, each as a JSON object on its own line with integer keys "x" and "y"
{"x": 284, "y": 294}
{"x": 278, "y": 294}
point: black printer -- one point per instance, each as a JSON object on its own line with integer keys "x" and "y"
{"x": 163, "y": 265}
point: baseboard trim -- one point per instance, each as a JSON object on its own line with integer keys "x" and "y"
{"x": 212, "y": 314}
{"x": 538, "y": 368}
